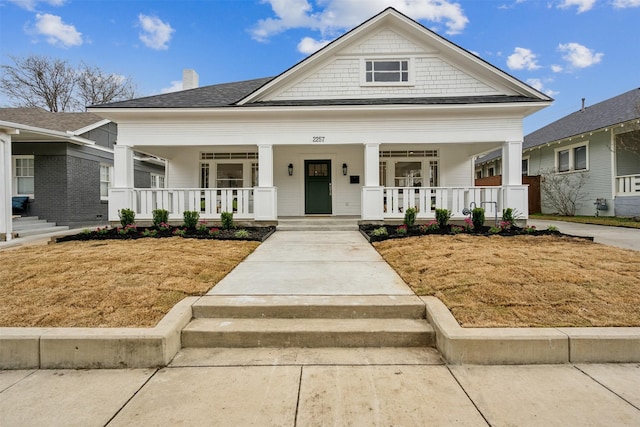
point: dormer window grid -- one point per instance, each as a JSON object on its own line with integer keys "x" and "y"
{"x": 387, "y": 72}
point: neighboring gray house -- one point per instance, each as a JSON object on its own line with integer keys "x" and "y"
{"x": 64, "y": 163}
{"x": 602, "y": 140}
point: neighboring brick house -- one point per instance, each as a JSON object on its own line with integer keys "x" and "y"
{"x": 602, "y": 140}
{"x": 387, "y": 117}
{"x": 64, "y": 163}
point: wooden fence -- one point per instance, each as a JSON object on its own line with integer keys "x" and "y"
{"x": 535, "y": 205}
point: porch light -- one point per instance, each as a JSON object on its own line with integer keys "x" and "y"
{"x": 290, "y": 169}
{"x": 344, "y": 169}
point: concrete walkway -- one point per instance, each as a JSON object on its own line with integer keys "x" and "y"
{"x": 626, "y": 238}
{"x": 369, "y": 392}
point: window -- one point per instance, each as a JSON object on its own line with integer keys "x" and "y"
{"x": 478, "y": 174}
{"x": 386, "y": 71}
{"x": 23, "y": 175}
{"x": 433, "y": 173}
{"x": 255, "y": 181}
{"x": 318, "y": 169}
{"x": 572, "y": 158}
{"x": 382, "y": 171}
{"x": 491, "y": 171}
{"x": 105, "y": 181}
{"x": 157, "y": 181}
{"x": 229, "y": 175}
{"x": 408, "y": 174}
{"x": 525, "y": 166}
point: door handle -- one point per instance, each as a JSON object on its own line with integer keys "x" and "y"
{"x": 329, "y": 189}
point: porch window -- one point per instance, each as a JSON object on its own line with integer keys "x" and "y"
{"x": 408, "y": 174}
{"x": 105, "y": 181}
{"x": 23, "y": 175}
{"x": 157, "y": 181}
{"x": 433, "y": 173}
{"x": 382, "y": 171}
{"x": 254, "y": 175}
{"x": 229, "y": 175}
{"x": 385, "y": 71}
{"x": 491, "y": 171}
{"x": 204, "y": 175}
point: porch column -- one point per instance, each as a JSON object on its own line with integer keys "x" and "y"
{"x": 372, "y": 193}
{"x": 515, "y": 195}
{"x": 6, "y": 225}
{"x": 121, "y": 192}
{"x": 265, "y": 198}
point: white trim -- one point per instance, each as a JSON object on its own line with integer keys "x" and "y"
{"x": 571, "y": 148}
{"x": 46, "y": 132}
{"x": 91, "y": 127}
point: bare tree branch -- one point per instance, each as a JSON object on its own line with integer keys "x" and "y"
{"x": 97, "y": 87}
{"x": 563, "y": 191}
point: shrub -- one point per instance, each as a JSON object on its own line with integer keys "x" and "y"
{"x": 127, "y": 217}
{"x": 226, "y": 218}
{"x": 552, "y": 228}
{"x": 442, "y": 217}
{"x": 507, "y": 216}
{"x": 563, "y": 192}
{"x": 149, "y": 233}
{"x": 202, "y": 227}
{"x": 191, "y": 218}
{"x": 495, "y": 230}
{"x": 379, "y": 232}
{"x": 241, "y": 234}
{"x": 410, "y": 217}
{"x": 455, "y": 229}
{"x": 214, "y": 232}
{"x": 127, "y": 229}
{"x": 179, "y": 232}
{"x": 425, "y": 228}
{"x": 477, "y": 218}
{"x": 530, "y": 229}
{"x": 402, "y": 229}
{"x": 160, "y": 216}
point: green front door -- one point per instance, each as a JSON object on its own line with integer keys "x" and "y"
{"x": 317, "y": 186}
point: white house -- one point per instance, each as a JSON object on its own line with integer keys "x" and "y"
{"x": 386, "y": 117}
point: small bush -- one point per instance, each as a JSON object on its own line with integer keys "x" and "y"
{"x": 495, "y": 230}
{"x": 202, "y": 227}
{"x": 379, "y": 232}
{"x": 241, "y": 234}
{"x": 191, "y": 218}
{"x": 214, "y": 232}
{"x": 127, "y": 217}
{"x": 179, "y": 232}
{"x": 149, "y": 233}
{"x": 160, "y": 216}
{"x": 410, "y": 217}
{"x": 127, "y": 229}
{"x": 507, "y": 215}
{"x": 552, "y": 228}
{"x": 442, "y": 217}
{"x": 402, "y": 229}
{"x": 477, "y": 218}
{"x": 425, "y": 228}
{"x": 226, "y": 218}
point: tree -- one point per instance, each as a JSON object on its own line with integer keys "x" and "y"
{"x": 563, "y": 191}
{"x": 53, "y": 84}
{"x": 97, "y": 87}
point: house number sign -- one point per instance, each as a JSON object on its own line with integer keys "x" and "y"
{"x": 317, "y": 139}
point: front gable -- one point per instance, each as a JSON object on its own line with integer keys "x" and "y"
{"x": 436, "y": 68}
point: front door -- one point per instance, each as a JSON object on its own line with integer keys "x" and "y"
{"x": 317, "y": 186}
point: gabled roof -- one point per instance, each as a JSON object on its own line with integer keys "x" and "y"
{"x": 221, "y": 95}
{"x": 40, "y": 118}
{"x": 254, "y": 93}
{"x": 612, "y": 111}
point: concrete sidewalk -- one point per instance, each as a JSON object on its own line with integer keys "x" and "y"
{"x": 622, "y": 237}
{"x": 295, "y": 388}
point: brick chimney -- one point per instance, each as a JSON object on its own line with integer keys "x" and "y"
{"x": 189, "y": 79}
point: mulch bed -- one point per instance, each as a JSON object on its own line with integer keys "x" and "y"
{"x": 259, "y": 234}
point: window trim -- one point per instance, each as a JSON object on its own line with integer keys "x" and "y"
{"x": 528, "y": 159}
{"x": 571, "y": 149}
{"x": 410, "y": 69}
{"x": 159, "y": 177}
{"x": 110, "y": 173}
{"x": 14, "y": 176}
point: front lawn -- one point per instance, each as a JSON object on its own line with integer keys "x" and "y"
{"x": 598, "y": 220}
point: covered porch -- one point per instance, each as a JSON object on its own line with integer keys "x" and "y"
{"x": 372, "y": 181}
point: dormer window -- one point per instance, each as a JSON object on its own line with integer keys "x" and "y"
{"x": 387, "y": 71}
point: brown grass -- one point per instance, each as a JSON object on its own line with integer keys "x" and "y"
{"x": 523, "y": 281}
{"x": 131, "y": 283}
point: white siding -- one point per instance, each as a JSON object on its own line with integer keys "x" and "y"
{"x": 383, "y": 42}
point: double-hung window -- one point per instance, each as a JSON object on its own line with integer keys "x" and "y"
{"x": 572, "y": 158}
{"x": 105, "y": 181}
{"x": 23, "y": 174}
{"x": 387, "y": 71}
{"x": 157, "y": 181}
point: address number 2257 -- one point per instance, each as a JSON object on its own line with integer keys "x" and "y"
{"x": 317, "y": 139}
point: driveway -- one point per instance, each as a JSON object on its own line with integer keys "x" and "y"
{"x": 626, "y": 238}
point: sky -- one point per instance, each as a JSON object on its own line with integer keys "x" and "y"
{"x": 568, "y": 49}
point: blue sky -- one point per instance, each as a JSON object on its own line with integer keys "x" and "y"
{"x": 569, "y": 49}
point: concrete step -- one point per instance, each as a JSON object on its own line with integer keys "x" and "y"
{"x": 21, "y": 219}
{"x": 318, "y": 224}
{"x": 308, "y": 333}
{"x": 38, "y": 231}
{"x": 32, "y": 225}
{"x": 308, "y": 306}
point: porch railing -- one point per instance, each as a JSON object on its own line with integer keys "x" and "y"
{"x": 210, "y": 202}
{"x": 427, "y": 199}
{"x": 628, "y": 185}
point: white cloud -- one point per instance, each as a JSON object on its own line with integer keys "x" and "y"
{"x": 579, "y": 56}
{"x": 176, "y": 85}
{"x": 308, "y": 45}
{"x": 335, "y": 16}
{"x": 557, "y": 68}
{"x": 539, "y": 85}
{"x": 156, "y": 34}
{"x": 31, "y": 4}
{"x": 522, "y": 59}
{"x": 57, "y": 32}
{"x": 623, "y": 4}
{"x": 583, "y": 5}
